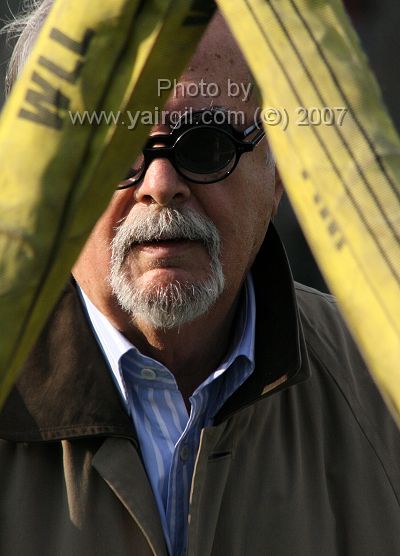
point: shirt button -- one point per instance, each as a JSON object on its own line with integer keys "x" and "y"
{"x": 184, "y": 453}
{"x": 148, "y": 373}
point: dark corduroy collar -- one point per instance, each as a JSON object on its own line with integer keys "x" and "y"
{"x": 66, "y": 390}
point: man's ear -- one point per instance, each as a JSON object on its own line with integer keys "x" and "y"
{"x": 278, "y": 192}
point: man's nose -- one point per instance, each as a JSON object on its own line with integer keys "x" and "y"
{"x": 162, "y": 185}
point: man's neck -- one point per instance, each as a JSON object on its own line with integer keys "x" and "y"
{"x": 191, "y": 352}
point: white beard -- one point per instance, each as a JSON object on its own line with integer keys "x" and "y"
{"x": 171, "y": 305}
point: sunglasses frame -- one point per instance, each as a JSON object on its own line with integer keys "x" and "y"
{"x": 170, "y": 141}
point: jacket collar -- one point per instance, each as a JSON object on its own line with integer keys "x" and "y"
{"x": 66, "y": 390}
{"x": 280, "y": 349}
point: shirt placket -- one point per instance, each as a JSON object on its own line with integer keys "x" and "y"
{"x": 181, "y": 475}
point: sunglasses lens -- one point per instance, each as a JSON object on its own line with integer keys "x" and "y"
{"x": 205, "y": 154}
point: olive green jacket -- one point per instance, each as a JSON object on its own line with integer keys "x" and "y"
{"x": 303, "y": 460}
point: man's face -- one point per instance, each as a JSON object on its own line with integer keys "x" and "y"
{"x": 226, "y": 221}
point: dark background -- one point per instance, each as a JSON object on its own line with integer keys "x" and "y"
{"x": 378, "y": 24}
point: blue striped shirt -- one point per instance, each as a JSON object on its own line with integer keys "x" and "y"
{"x": 169, "y": 437}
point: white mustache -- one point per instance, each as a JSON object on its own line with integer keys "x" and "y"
{"x": 165, "y": 224}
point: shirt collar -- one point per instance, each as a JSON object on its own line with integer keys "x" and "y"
{"x": 243, "y": 340}
{"x": 112, "y": 343}
{"x": 115, "y": 345}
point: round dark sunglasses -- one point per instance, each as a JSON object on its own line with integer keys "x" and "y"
{"x": 200, "y": 152}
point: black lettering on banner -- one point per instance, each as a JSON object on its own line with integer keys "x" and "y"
{"x": 331, "y": 224}
{"x": 48, "y": 102}
{"x": 69, "y": 76}
{"x": 200, "y": 12}
{"x": 79, "y": 48}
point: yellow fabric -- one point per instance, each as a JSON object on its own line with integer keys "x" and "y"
{"x": 341, "y": 168}
{"x": 56, "y": 178}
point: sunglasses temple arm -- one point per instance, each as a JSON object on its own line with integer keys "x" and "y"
{"x": 258, "y": 138}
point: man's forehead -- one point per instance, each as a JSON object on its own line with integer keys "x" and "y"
{"x": 217, "y": 43}
{"x": 217, "y": 54}
{"x": 217, "y": 74}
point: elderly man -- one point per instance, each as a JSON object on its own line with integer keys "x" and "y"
{"x": 186, "y": 397}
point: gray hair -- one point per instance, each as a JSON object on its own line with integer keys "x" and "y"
{"x": 25, "y": 28}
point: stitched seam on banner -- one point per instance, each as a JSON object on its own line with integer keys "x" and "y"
{"x": 335, "y": 80}
{"x": 354, "y": 254}
{"x": 360, "y": 171}
{"x": 326, "y": 150}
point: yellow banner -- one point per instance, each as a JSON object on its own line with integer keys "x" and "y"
{"x": 339, "y": 157}
{"x": 58, "y": 175}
